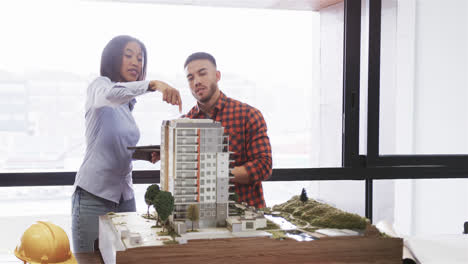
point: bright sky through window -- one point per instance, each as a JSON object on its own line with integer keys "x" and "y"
{"x": 52, "y": 49}
{"x": 70, "y": 34}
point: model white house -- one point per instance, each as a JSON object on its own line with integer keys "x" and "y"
{"x": 195, "y": 169}
{"x": 250, "y": 220}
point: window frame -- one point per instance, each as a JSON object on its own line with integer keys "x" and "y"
{"x": 429, "y": 166}
{"x": 354, "y": 166}
{"x": 374, "y": 159}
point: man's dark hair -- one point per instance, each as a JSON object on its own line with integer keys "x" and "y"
{"x": 111, "y": 58}
{"x": 200, "y": 56}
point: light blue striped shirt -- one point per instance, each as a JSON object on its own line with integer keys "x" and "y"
{"x": 106, "y": 170}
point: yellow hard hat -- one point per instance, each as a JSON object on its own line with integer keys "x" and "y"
{"x": 45, "y": 243}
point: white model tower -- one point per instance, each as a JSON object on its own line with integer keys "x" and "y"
{"x": 195, "y": 169}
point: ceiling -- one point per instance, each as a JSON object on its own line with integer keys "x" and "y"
{"x": 310, "y": 5}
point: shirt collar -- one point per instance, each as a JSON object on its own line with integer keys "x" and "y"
{"x": 219, "y": 105}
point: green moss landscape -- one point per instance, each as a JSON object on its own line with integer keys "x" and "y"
{"x": 312, "y": 214}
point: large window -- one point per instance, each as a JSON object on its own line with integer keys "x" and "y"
{"x": 56, "y": 53}
{"x": 424, "y": 77}
{"x": 417, "y": 116}
{"x": 396, "y": 111}
{"x": 270, "y": 59}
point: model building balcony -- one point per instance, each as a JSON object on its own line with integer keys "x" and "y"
{"x": 185, "y": 190}
{"x": 185, "y": 199}
{"x": 183, "y": 140}
{"x": 187, "y": 149}
{"x": 187, "y": 165}
{"x": 181, "y": 208}
{"x": 187, "y": 157}
{"x": 187, "y": 132}
{"x": 189, "y": 174}
{"x": 186, "y": 182}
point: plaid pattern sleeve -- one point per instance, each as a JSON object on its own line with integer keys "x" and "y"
{"x": 248, "y": 141}
{"x": 258, "y": 147}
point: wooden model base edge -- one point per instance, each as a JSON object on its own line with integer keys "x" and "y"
{"x": 361, "y": 249}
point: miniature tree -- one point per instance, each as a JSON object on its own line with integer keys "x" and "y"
{"x": 151, "y": 192}
{"x": 304, "y": 197}
{"x": 234, "y": 197}
{"x": 193, "y": 214}
{"x": 164, "y": 205}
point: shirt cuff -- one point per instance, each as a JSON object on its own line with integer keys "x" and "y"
{"x": 137, "y": 88}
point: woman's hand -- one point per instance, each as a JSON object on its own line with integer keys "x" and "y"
{"x": 170, "y": 94}
{"x": 155, "y": 157}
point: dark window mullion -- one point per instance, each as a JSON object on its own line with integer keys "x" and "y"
{"x": 304, "y": 174}
{"x": 351, "y": 73}
{"x": 423, "y": 160}
{"x": 373, "y": 102}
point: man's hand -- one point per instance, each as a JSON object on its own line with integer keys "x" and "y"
{"x": 155, "y": 157}
{"x": 170, "y": 94}
{"x": 240, "y": 175}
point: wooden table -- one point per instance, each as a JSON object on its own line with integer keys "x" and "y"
{"x": 266, "y": 250}
{"x": 89, "y": 258}
{"x": 258, "y": 250}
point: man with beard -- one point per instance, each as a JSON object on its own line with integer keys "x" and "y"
{"x": 247, "y": 130}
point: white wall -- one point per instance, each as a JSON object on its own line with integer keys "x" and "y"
{"x": 441, "y": 113}
{"x": 431, "y": 112}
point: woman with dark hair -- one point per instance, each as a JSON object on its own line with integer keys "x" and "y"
{"x": 104, "y": 181}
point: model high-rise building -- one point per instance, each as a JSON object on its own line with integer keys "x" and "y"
{"x": 195, "y": 169}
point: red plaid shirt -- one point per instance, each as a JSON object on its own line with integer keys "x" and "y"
{"x": 249, "y": 142}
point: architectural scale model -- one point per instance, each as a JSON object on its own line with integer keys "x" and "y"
{"x": 194, "y": 156}
{"x": 195, "y": 169}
